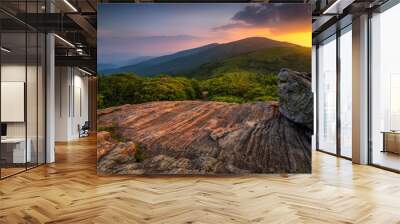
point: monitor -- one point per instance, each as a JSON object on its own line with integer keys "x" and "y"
{"x": 3, "y": 129}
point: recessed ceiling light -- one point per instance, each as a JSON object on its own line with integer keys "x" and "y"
{"x": 337, "y": 7}
{"x": 5, "y": 50}
{"x": 64, "y": 40}
{"x": 86, "y": 72}
{"x": 70, "y": 5}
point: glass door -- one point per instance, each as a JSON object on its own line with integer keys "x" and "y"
{"x": 327, "y": 95}
{"x": 385, "y": 89}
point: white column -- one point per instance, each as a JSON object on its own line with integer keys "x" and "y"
{"x": 50, "y": 100}
{"x": 360, "y": 90}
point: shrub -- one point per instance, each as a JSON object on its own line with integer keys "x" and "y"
{"x": 139, "y": 154}
{"x": 128, "y": 88}
{"x": 266, "y": 98}
{"x": 234, "y": 87}
{"x": 228, "y": 99}
{"x": 245, "y": 86}
{"x": 118, "y": 89}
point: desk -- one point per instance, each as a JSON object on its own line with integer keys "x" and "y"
{"x": 391, "y": 141}
{"x": 13, "y": 150}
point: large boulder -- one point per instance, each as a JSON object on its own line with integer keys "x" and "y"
{"x": 200, "y": 137}
{"x": 295, "y": 97}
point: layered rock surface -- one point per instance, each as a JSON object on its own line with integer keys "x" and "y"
{"x": 202, "y": 137}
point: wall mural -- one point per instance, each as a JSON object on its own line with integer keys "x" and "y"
{"x": 204, "y": 88}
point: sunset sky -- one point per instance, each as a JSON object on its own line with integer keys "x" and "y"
{"x": 126, "y": 31}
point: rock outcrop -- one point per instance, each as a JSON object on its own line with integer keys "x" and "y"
{"x": 202, "y": 137}
{"x": 295, "y": 97}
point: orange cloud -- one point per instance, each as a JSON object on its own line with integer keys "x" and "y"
{"x": 301, "y": 36}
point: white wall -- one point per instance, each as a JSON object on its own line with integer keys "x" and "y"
{"x": 16, "y": 72}
{"x": 71, "y": 102}
{"x": 80, "y": 112}
{"x": 62, "y": 82}
{"x": 13, "y": 100}
{"x": 33, "y": 127}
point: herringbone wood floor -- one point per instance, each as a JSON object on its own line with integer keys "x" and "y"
{"x": 69, "y": 191}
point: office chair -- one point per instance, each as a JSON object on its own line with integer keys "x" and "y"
{"x": 84, "y": 130}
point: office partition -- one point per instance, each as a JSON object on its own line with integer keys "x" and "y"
{"x": 22, "y": 78}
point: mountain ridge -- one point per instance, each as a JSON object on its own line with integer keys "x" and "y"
{"x": 190, "y": 59}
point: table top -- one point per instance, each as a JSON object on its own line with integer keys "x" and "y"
{"x": 13, "y": 140}
{"x": 391, "y": 132}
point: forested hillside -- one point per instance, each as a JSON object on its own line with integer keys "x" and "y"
{"x": 244, "y": 77}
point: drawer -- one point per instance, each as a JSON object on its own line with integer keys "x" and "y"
{"x": 392, "y": 142}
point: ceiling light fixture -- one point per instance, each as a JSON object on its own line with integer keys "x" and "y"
{"x": 64, "y": 40}
{"x": 337, "y": 7}
{"x": 79, "y": 51}
{"x": 70, "y": 5}
{"x": 86, "y": 72}
{"x": 5, "y": 50}
{"x": 333, "y": 6}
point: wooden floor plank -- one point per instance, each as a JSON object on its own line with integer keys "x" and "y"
{"x": 70, "y": 191}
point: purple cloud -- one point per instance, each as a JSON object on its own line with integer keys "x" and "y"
{"x": 276, "y": 17}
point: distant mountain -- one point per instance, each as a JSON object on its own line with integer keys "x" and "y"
{"x": 168, "y": 58}
{"x": 134, "y": 61}
{"x": 144, "y": 67}
{"x": 105, "y": 66}
{"x": 187, "y": 61}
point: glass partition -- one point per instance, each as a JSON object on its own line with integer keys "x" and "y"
{"x": 327, "y": 95}
{"x": 41, "y": 97}
{"x": 31, "y": 98}
{"x": 385, "y": 89}
{"x": 22, "y": 77}
{"x": 13, "y": 94}
{"x": 346, "y": 92}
